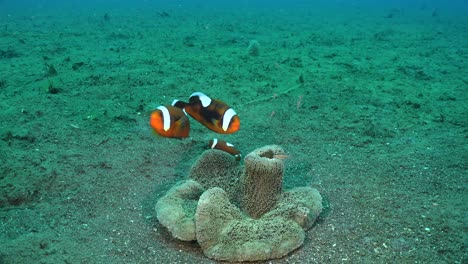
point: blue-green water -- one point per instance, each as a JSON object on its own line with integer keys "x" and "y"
{"x": 368, "y": 100}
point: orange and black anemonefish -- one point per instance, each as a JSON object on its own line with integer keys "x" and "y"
{"x": 212, "y": 113}
{"x": 225, "y": 146}
{"x": 170, "y": 121}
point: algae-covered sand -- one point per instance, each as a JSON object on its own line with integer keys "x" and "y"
{"x": 370, "y": 106}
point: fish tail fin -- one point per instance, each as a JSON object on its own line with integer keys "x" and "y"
{"x": 178, "y": 104}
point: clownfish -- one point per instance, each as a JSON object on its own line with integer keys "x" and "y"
{"x": 225, "y": 146}
{"x": 213, "y": 114}
{"x": 170, "y": 121}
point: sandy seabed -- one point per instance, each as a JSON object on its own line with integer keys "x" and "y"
{"x": 371, "y": 108}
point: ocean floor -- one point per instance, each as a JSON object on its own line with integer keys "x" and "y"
{"x": 371, "y": 108}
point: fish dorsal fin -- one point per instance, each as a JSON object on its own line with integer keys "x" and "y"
{"x": 204, "y": 99}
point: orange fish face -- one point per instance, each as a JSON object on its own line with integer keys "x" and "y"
{"x": 170, "y": 121}
{"x": 234, "y": 125}
{"x": 213, "y": 114}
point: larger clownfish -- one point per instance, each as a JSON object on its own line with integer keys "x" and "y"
{"x": 170, "y": 121}
{"x": 212, "y": 113}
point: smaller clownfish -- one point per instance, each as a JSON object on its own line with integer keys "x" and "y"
{"x": 225, "y": 146}
{"x": 170, "y": 121}
{"x": 212, "y": 113}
